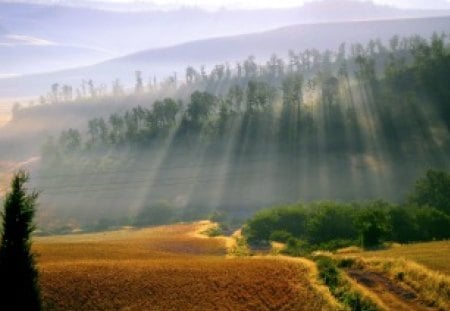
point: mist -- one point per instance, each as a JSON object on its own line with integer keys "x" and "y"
{"x": 236, "y": 139}
{"x": 334, "y": 110}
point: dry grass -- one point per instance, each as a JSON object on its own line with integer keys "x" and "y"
{"x": 328, "y": 300}
{"x": 431, "y": 286}
{"x": 433, "y": 255}
{"x": 425, "y": 267}
{"x": 365, "y": 294}
{"x": 166, "y": 268}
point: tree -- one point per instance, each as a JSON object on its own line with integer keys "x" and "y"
{"x": 373, "y": 224}
{"x": 139, "y": 87}
{"x": 70, "y": 140}
{"x": 433, "y": 190}
{"x": 19, "y": 288}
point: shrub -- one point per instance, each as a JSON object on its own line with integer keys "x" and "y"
{"x": 432, "y": 190}
{"x": 296, "y": 247}
{"x": 331, "y": 221}
{"x": 373, "y": 224}
{"x": 281, "y": 236}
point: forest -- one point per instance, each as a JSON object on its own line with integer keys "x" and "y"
{"x": 357, "y": 123}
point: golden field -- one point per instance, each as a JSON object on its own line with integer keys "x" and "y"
{"x": 166, "y": 268}
{"x": 433, "y": 255}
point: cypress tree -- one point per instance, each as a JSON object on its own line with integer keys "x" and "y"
{"x": 19, "y": 289}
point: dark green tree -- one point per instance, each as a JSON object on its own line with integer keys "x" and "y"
{"x": 19, "y": 288}
{"x": 433, "y": 190}
{"x": 373, "y": 224}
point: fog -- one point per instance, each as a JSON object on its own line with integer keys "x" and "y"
{"x": 233, "y": 124}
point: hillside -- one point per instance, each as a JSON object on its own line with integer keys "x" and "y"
{"x": 166, "y": 268}
{"x": 163, "y": 62}
{"x": 175, "y": 267}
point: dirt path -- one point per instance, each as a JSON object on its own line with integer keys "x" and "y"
{"x": 394, "y": 296}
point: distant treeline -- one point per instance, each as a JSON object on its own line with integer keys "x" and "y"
{"x": 331, "y": 225}
{"x": 342, "y": 125}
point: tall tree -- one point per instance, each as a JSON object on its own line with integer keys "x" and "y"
{"x": 19, "y": 289}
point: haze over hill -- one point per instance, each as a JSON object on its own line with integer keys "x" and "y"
{"x": 40, "y": 38}
{"x": 162, "y": 62}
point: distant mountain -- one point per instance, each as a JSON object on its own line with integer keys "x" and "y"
{"x": 115, "y": 33}
{"x": 164, "y": 61}
{"x": 23, "y": 54}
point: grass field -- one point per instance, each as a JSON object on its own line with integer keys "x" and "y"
{"x": 433, "y": 255}
{"x": 405, "y": 277}
{"x": 166, "y": 268}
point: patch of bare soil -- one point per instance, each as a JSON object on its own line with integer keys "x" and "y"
{"x": 394, "y": 296}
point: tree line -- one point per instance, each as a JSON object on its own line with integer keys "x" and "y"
{"x": 331, "y": 225}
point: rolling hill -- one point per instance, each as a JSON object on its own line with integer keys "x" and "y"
{"x": 104, "y": 34}
{"x": 162, "y": 62}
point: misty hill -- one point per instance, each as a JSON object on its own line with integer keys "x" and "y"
{"x": 164, "y": 61}
{"x": 270, "y": 134}
{"x": 120, "y": 32}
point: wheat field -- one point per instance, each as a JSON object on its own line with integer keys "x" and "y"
{"x": 165, "y": 268}
{"x": 433, "y": 255}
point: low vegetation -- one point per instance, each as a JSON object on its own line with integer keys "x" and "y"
{"x": 348, "y": 293}
{"x": 432, "y": 287}
{"x": 331, "y": 225}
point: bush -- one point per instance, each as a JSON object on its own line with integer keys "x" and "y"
{"x": 331, "y": 221}
{"x": 404, "y": 224}
{"x": 296, "y": 247}
{"x": 291, "y": 219}
{"x": 328, "y": 272}
{"x": 432, "y": 224}
{"x": 432, "y": 190}
{"x": 213, "y": 231}
{"x": 333, "y": 245}
{"x": 373, "y": 224}
{"x": 281, "y": 236}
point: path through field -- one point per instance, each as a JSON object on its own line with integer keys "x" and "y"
{"x": 394, "y": 296}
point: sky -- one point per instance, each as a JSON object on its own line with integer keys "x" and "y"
{"x": 284, "y": 3}
{"x": 216, "y": 4}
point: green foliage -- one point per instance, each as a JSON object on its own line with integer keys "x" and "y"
{"x": 296, "y": 247}
{"x": 281, "y": 236}
{"x": 330, "y": 221}
{"x": 404, "y": 224}
{"x": 19, "y": 288}
{"x": 433, "y": 190}
{"x": 330, "y": 225}
{"x": 157, "y": 214}
{"x": 373, "y": 224}
{"x": 289, "y": 219}
{"x": 433, "y": 224}
{"x": 213, "y": 231}
{"x": 330, "y": 274}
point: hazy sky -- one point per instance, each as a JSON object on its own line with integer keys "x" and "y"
{"x": 214, "y": 4}
{"x": 284, "y": 3}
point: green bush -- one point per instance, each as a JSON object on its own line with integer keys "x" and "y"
{"x": 373, "y": 224}
{"x": 432, "y": 190}
{"x": 295, "y": 247}
{"x": 213, "y": 231}
{"x": 281, "y": 236}
{"x": 331, "y": 221}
